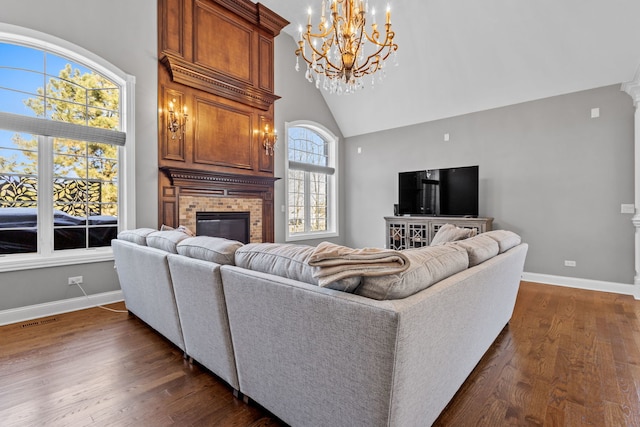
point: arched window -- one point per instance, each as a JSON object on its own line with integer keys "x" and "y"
{"x": 311, "y": 181}
{"x": 63, "y": 129}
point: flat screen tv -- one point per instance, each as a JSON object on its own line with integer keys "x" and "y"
{"x": 439, "y": 192}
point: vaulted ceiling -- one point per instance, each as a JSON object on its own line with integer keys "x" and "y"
{"x": 461, "y": 56}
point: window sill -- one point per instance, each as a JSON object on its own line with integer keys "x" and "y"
{"x": 69, "y": 257}
{"x": 310, "y": 236}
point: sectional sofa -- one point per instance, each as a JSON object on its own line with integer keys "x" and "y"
{"x": 382, "y": 347}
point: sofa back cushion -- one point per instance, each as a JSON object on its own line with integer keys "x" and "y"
{"x": 138, "y": 235}
{"x": 207, "y": 248}
{"x": 479, "y": 248}
{"x": 427, "y": 266}
{"x": 506, "y": 239}
{"x": 286, "y": 260}
{"x": 166, "y": 240}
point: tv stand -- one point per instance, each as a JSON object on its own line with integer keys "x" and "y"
{"x": 405, "y": 232}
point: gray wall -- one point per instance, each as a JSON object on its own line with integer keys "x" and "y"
{"x": 124, "y": 33}
{"x": 547, "y": 171}
{"x": 300, "y": 101}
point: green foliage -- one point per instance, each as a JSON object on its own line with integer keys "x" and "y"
{"x": 79, "y": 98}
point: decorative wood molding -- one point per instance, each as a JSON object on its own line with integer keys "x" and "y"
{"x": 270, "y": 21}
{"x": 257, "y": 14}
{"x": 190, "y": 177}
{"x": 196, "y": 76}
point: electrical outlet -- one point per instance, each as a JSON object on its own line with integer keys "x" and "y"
{"x": 77, "y": 280}
{"x": 569, "y": 263}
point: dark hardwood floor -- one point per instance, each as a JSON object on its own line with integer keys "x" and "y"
{"x": 568, "y": 358}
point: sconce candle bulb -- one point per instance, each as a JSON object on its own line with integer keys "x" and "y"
{"x": 269, "y": 140}
{"x": 177, "y": 122}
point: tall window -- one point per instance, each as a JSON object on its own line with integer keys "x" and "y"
{"x": 61, "y": 138}
{"x": 311, "y": 182}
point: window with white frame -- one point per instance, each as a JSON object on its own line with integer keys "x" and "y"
{"x": 311, "y": 181}
{"x": 62, "y": 137}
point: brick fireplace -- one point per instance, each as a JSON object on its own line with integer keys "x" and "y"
{"x": 185, "y": 192}
{"x": 191, "y": 205}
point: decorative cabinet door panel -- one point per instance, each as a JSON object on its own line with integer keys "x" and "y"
{"x": 172, "y": 19}
{"x": 223, "y": 135}
{"x": 266, "y": 64}
{"x": 222, "y": 44}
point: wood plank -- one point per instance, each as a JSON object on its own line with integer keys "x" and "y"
{"x": 568, "y": 357}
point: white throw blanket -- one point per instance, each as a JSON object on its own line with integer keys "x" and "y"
{"x": 337, "y": 262}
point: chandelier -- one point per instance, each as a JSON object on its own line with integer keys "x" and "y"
{"x": 343, "y": 53}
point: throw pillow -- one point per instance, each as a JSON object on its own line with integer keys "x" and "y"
{"x": 451, "y": 233}
{"x": 427, "y": 265}
{"x": 207, "y": 248}
{"x": 182, "y": 228}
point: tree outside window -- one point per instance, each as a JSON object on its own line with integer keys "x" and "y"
{"x": 80, "y": 187}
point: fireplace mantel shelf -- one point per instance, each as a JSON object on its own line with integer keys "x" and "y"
{"x": 190, "y": 177}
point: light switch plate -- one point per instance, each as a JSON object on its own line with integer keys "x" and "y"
{"x": 627, "y": 209}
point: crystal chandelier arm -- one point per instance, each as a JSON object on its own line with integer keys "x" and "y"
{"x": 381, "y": 54}
{"x": 375, "y": 35}
{"x": 316, "y": 55}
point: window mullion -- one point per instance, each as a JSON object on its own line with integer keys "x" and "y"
{"x": 307, "y": 201}
{"x": 45, "y": 195}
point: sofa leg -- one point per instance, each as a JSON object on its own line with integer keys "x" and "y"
{"x": 236, "y": 393}
{"x": 245, "y": 399}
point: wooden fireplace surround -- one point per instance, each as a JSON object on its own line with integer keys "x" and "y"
{"x": 216, "y": 59}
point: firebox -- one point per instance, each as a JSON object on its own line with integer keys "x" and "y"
{"x": 230, "y": 225}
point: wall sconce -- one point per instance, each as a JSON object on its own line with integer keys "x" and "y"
{"x": 177, "y": 121}
{"x": 269, "y": 140}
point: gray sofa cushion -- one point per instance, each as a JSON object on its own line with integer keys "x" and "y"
{"x": 166, "y": 240}
{"x": 286, "y": 260}
{"x": 506, "y": 239}
{"x": 428, "y": 265}
{"x": 206, "y": 248}
{"x": 479, "y": 248}
{"x": 451, "y": 233}
{"x": 138, "y": 235}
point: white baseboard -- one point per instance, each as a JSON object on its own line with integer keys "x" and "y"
{"x": 37, "y": 311}
{"x": 31, "y": 312}
{"x": 593, "y": 285}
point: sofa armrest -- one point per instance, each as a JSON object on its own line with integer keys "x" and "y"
{"x": 146, "y": 284}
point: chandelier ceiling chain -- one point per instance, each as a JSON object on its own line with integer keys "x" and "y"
{"x": 346, "y": 52}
